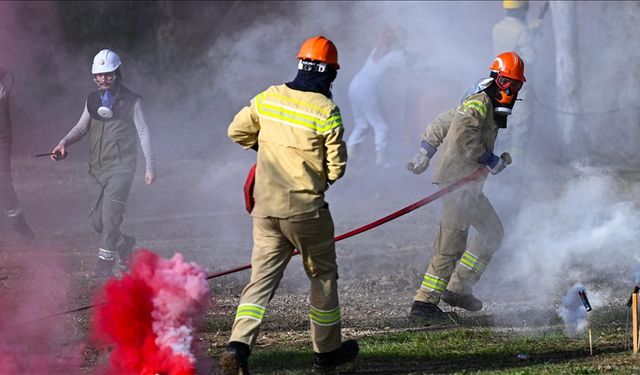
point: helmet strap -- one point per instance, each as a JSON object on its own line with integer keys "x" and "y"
{"x": 312, "y": 66}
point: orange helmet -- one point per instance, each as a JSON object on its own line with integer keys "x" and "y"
{"x": 510, "y": 65}
{"x": 321, "y": 49}
{"x": 508, "y": 71}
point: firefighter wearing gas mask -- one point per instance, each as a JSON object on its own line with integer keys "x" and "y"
{"x": 8, "y": 198}
{"x": 467, "y": 135}
{"x": 113, "y": 116}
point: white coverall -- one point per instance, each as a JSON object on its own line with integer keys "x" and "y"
{"x": 513, "y": 34}
{"x": 365, "y": 94}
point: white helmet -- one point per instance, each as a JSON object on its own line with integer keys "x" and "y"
{"x": 106, "y": 61}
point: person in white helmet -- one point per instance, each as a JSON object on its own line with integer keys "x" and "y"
{"x": 113, "y": 114}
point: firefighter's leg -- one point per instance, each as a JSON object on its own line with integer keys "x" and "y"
{"x": 8, "y": 198}
{"x": 448, "y": 246}
{"x": 313, "y": 235}
{"x": 476, "y": 257}
{"x": 270, "y": 256}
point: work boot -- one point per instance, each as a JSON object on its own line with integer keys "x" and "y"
{"x": 20, "y": 226}
{"x": 104, "y": 270}
{"x": 427, "y": 312}
{"x": 326, "y": 362}
{"x": 465, "y": 301}
{"x": 234, "y": 361}
{"x": 125, "y": 247}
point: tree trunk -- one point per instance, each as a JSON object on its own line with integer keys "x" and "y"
{"x": 563, "y": 15}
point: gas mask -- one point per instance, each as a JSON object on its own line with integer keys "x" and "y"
{"x": 506, "y": 95}
{"x": 105, "y": 110}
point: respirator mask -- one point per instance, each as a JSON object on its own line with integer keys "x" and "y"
{"x": 105, "y": 110}
{"x": 507, "y": 94}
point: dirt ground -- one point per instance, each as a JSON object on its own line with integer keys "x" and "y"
{"x": 196, "y": 208}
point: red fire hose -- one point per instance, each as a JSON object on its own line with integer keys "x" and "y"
{"x": 483, "y": 171}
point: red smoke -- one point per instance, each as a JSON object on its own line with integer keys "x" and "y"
{"x": 147, "y": 316}
{"x": 36, "y": 285}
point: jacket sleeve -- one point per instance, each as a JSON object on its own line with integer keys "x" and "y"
{"x": 335, "y": 148}
{"x": 468, "y": 121}
{"x": 245, "y": 126}
{"x": 437, "y": 129}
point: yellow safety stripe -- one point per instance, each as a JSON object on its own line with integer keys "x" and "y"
{"x": 325, "y": 317}
{"x": 477, "y": 105}
{"x": 299, "y": 102}
{"x": 472, "y": 262}
{"x": 434, "y": 283}
{"x": 250, "y": 311}
{"x": 295, "y": 117}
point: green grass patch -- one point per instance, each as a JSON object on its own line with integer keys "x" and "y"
{"x": 463, "y": 351}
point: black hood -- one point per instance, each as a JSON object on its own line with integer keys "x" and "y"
{"x": 314, "y": 81}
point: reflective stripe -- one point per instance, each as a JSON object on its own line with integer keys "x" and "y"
{"x": 324, "y": 112}
{"x": 250, "y": 311}
{"x": 477, "y": 105}
{"x": 107, "y": 254}
{"x": 295, "y": 117}
{"x": 325, "y": 317}
{"x": 472, "y": 262}
{"x": 434, "y": 283}
{"x": 13, "y": 213}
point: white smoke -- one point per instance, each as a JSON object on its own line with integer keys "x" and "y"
{"x": 572, "y": 311}
{"x": 182, "y": 292}
{"x": 581, "y": 230}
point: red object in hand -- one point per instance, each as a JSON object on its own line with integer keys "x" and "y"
{"x": 249, "y": 202}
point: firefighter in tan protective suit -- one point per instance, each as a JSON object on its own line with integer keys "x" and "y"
{"x": 467, "y": 134}
{"x": 297, "y": 131}
{"x": 513, "y": 33}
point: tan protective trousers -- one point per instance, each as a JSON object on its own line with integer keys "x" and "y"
{"x": 453, "y": 266}
{"x": 273, "y": 243}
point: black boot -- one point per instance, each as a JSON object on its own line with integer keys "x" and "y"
{"x": 104, "y": 269}
{"x": 427, "y": 312}
{"x": 234, "y": 361}
{"x": 125, "y": 247}
{"x": 20, "y": 226}
{"x": 324, "y": 362}
{"x": 466, "y": 301}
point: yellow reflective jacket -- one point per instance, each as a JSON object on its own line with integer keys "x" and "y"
{"x": 300, "y": 149}
{"x": 472, "y": 133}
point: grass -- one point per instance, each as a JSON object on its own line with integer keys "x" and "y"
{"x": 469, "y": 350}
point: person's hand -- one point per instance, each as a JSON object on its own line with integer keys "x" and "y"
{"x": 503, "y": 161}
{"x": 419, "y": 163}
{"x": 149, "y": 177}
{"x": 59, "y": 152}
